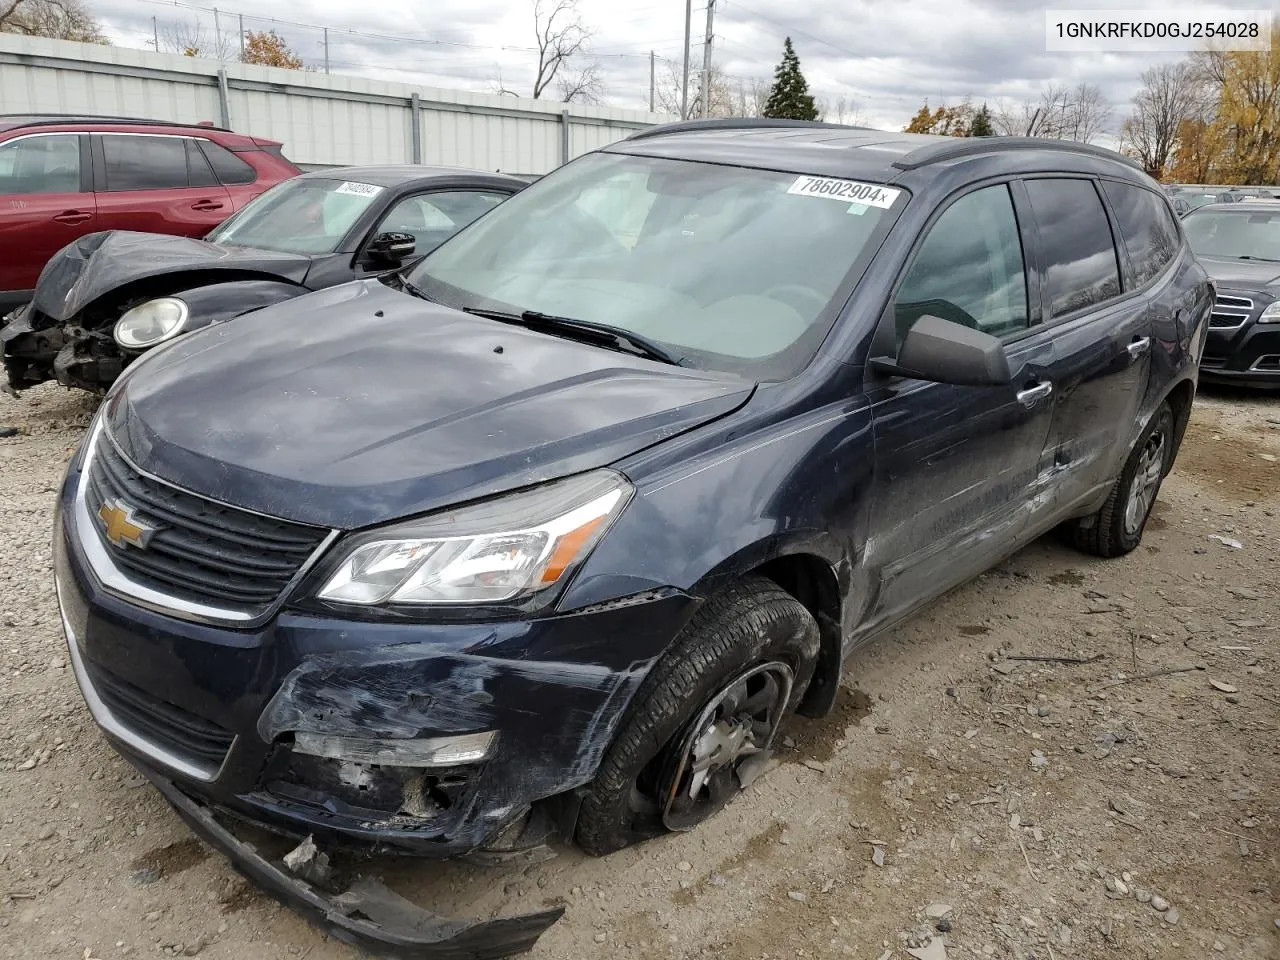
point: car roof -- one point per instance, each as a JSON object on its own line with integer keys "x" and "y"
{"x": 837, "y": 150}
{"x": 1242, "y": 206}
{"x": 395, "y": 175}
{"x": 12, "y": 121}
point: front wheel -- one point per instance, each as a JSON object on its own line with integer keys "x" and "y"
{"x": 702, "y": 726}
{"x": 1117, "y": 528}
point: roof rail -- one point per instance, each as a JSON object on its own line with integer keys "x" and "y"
{"x": 972, "y": 146}
{"x": 53, "y": 119}
{"x": 737, "y": 123}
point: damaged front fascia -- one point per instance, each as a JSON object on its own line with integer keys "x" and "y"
{"x": 367, "y": 915}
{"x": 553, "y": 720}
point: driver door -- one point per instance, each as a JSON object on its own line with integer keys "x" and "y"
{"x": 958, "y": 469}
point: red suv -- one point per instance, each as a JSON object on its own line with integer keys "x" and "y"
{"x": 62, "y": 177}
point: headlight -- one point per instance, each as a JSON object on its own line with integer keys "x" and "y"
{"x": 150, "y": 323}
{"x": 1271, "y": 314}
{"x": 507, "y": 549}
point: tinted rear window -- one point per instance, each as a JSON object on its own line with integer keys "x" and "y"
{"x": 144, "y": 163}
{"x": 228, "y": 167}
{"x": 1148, "y": 229}
{"x": 1076, "y": 245}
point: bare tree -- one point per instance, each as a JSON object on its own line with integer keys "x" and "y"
{"x": 1089, "y": 112}
{"x": 842, "y": 109}
{"x": 581, "y": 85}
{"x": 59, "y": 19}
{"x": 498, "y": 85}
{"x": 562, "y": 37}
{"x": 1060, "y": 113}
{"x": 747, "y": 96}
{"x": 727, "y": 96}
{"x": 192, "y": 40}
{"x": 1171, "y": 93}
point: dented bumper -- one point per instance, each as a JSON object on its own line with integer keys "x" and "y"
{"x": 233, "y": 716}
{"x": 367, "y": 914}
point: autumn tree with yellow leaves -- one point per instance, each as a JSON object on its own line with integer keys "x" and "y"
{"x": 268, "y": 49}
{"x": 1226, "y": 118}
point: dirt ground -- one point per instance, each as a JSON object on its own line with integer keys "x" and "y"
{"x": 1036, "y": 809}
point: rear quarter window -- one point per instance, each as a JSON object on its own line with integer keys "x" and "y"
{"x": 229, "y": 168}
{"x": 1147, "y": 228}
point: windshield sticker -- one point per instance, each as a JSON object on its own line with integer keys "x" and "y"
{"x": 846, "y": 191}
{"x": 858, "y": 208}
{"x": 358, "y": 189}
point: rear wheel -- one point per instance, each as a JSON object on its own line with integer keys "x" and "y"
{"x": 1117, "y": 528}
{"x": 702, "y": 726}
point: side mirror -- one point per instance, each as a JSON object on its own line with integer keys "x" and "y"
{"x": 945, "y": 352}
{"x": 390, "y": 249}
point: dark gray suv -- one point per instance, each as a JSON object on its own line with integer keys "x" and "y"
{"x": 549, "y": 532}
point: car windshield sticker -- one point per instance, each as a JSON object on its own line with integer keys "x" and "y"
{"x": 846, "y": 191}
{"x": 858, "y": 208}
{"x": 358, "y": 189}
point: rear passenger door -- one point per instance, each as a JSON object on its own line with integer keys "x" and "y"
{"x": 156, "y": 183}
{"x": 1101, "y": 335}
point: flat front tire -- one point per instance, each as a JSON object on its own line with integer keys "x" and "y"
{"x": 701, "y": 726}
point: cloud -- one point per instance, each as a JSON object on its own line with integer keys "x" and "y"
{"x": 887, "y": 57}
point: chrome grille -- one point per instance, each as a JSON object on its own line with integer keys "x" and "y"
{"x": 1230, "y": 312}
{"x": 201, "y": 551}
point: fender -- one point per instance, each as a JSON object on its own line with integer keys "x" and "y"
{"x": 217, "y": 302}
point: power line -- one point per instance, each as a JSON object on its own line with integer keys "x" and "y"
{"x": 349, "y": 32}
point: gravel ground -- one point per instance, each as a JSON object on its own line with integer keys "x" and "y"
{"x": 960, "y": 803}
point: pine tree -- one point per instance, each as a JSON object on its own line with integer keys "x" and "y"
{"x": 981, "y": 126}
{"x": 790, "y": 98}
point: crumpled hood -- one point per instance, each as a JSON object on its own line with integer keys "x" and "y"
{"x": 98, "y": 263}
{"x": 1244, "y": 274}
{"x": 361, "y": 404}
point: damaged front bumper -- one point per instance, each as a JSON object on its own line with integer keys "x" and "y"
{"x": 368, "y": 915}
{"x": 36, "y": 349}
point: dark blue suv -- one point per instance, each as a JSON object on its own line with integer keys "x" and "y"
{"x": 549, "y": 532}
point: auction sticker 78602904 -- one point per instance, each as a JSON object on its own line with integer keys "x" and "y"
{"x": 846, "y": 191}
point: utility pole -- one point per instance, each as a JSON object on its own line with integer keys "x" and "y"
{"x": 217, "y": 35}
{"x": 651, "y": 80}
{"x": 155, "y": 33}
{"x": 706, "y": 62}
{"x": 684, "y": 87}
{"x": 242, "y": 37}
{"x": 326, "y": 49}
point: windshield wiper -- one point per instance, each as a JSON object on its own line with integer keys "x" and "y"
{"x": 1251, "y": 257}
{"x": 395, "y": 276}
{"x": 600, "y": 334}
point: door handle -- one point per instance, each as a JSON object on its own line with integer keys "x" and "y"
{"x": 1033, "y": 394}
{"x": 73, "y": 216}
{"x": 206, "y": 205}
{"x": 1139, "y": 346}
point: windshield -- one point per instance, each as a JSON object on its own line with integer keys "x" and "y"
{"x": 298, "y": 216}
{"x": 1234, "y": 233}
{"x": 726, "y": 268}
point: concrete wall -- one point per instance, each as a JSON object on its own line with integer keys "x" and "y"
{"x": 322, "y": 119}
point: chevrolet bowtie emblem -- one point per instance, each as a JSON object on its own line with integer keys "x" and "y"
{"x": 122, "y": 526}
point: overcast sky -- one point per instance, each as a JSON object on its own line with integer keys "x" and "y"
{"x": 887, "y": 57}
